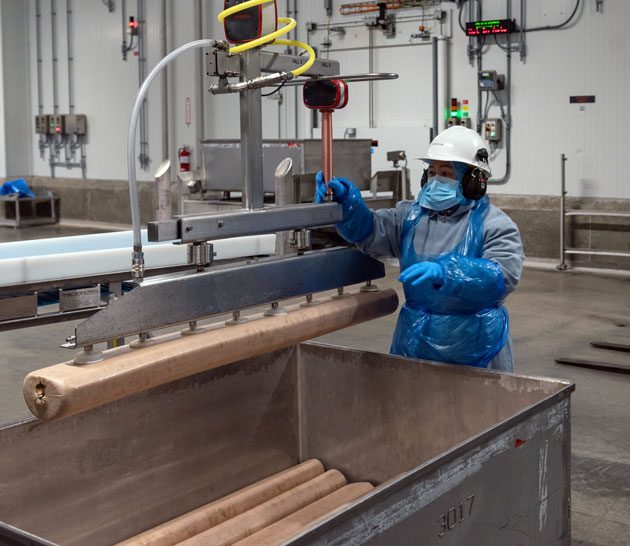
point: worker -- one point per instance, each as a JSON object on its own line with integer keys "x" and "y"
{"x": 459, "y": 255}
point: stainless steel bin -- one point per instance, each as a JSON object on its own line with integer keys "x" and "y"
{"x": 221, "y": 161}
{"x": 458, "y": 455}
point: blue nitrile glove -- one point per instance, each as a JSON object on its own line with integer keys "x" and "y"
{"x": 357, "y": 221}
{"x": 423, "y": 275}
{"x": 339, "y": 186}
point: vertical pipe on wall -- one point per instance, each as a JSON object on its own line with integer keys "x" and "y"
{"x": 435, "y": 129}
{"x": 70, "y": 57}
{"x": 522, "y": 46}
{"x": 371, "y": 70}
{"x": 164, "y": 82}
{"x": 53, "y": 36}
{"x": 123, "y": 11}
{"x": 199, "y": 89}
{"x": 443, "y": 88}
{"x": 144, "y": 143}
{"x": 479, "y": 68}
{"x": 38, "y": 48}
{"x": 508, "y": 115}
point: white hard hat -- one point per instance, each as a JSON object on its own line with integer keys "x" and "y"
{"x": 460, "y": 144}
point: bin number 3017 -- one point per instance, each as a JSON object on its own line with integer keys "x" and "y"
{"x": 455, "y": 515}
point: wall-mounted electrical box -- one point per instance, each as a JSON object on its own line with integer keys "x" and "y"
{"x": 493, "y": 130}
{"x": 75, "y": 124}
{"x": 42, "y": 124}
{"x": 489, "y": 80}
{"x": 57, "y": 125}
{"x": 465, "y": 122}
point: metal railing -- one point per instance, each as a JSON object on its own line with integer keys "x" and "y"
{"x": 564, "y": 213}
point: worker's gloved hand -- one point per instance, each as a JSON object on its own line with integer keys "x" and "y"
{"x": 423, "y": 275}
{"x": 340, "y": 187}
{"x": 357, "y": 221}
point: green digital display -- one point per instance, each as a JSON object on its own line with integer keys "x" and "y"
{"x": 485, "y": 28}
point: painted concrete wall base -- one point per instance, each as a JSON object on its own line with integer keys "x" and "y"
{"x": 538, "y": 216}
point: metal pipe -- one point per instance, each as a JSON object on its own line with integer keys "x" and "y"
{"x": 163, "y": 200}
{"x": 443, "y": 80}
{"x": 38, "y": 47}
{"x": 327, "y": 147}
{"x": 199, "y": 87}
{"x": 164, "y": 83}
{"x": 371, "y": 70}
{"x": 251, "y": 133}
{"x": 522, "y": 48}
{"x": 70, "y": 58}
{"x": 363, "y": 48}
{"x": 563, "y": 159}
{"x": 144, "y": 140}
{"x": 435, "y": 128}
{"x": 123, "y": 11}
{"x": 296, "y": 101}
{"x": 479, "y": 68}
{"x": 508, "y": 120}
{"x": 347, "y": 77}
{"x": 285, "y": 195}
{"x": 53, "y": 35}
{"x": 321, "y": 26}
{"x": 138, "y": 256}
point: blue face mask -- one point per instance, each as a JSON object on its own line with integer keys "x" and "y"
{"x": 441, "y": 193}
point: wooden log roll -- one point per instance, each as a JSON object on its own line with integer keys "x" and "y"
{"x": 287, "y": 528}
{"x": 214, "y": 513}
{"x": 258, "y": 518}
{"x": 67, "y": 389}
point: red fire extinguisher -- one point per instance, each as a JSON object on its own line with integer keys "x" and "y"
{"x": 184, "y": 159}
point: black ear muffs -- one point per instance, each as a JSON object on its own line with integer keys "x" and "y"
{"x": 425, "y": 178}
{"x": 474, "y": 184}
{"x": 475, "y": 181}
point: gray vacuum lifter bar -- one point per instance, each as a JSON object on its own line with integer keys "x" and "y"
{"x": 181, "y": 298}
{"x": 221, "y": 225}
{"x": 220, "y": 63}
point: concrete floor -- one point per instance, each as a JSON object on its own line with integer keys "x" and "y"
{"x": 552, "y": 314}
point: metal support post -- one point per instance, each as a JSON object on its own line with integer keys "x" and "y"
{"x": 163, "y": 200}
{"x": 327, "y": 149}
{"x": 251, "y": 134}
{"x": 285, "y": 195}
{"x": 563, "y": 265}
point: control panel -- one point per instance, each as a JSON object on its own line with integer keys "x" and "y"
{"x": 493, "y": 130}
{"x": 489, "y": 80}
{"x": 57, "y": 125}
{"x": 75, "y": 124}
{"x": 42, "y": 124}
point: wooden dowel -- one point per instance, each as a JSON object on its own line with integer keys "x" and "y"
{"x": 215, "y": 513}
{"x": 287, "y": 528}
{"x": 258, "y": 518}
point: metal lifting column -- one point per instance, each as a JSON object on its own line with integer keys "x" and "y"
{"x": 251, "y": 133}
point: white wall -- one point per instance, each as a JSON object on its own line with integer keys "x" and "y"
{"x": 3, "y": 150}
{"x": 15, "y": 87}
{"x": 590, "y": 57}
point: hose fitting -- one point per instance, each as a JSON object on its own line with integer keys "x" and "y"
{"x": 261, "y": 81}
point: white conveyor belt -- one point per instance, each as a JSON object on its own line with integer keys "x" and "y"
{"x": 61, "y": 258}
